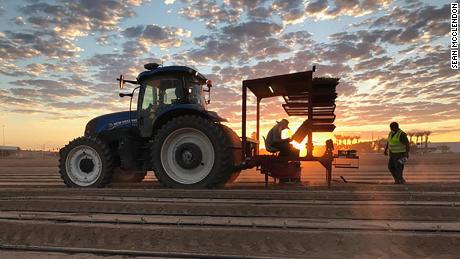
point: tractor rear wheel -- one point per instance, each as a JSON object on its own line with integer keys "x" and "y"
{"x": 236, "y": 150}
{"x": 86, "y": 162}
{"x": 125, "y": 176}
{"x": 192, "y": 152}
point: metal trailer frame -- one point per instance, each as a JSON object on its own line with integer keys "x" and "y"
{"x": 289, "y": 86}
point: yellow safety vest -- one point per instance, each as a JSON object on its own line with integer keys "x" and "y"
{"x": 394, "y": 144}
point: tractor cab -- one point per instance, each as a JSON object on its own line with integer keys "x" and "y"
{"x": 173, "y": 85}
{"x": 165, "y": 90}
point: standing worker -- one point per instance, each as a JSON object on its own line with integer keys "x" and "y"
{"x": 399, "y": 152}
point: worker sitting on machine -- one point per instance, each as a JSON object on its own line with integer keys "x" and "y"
{"x": 274, "y": 142}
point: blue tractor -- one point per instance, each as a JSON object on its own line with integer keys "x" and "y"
{"x": 171, "y": 132}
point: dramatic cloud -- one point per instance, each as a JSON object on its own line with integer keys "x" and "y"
{"x": 163, "y": 37}
{"x": 253, "y": 39}
{"x": 329, "y": 9}
{"x": 53, "y": 27}
{"x": 422, "y": 23}
{"x": 210, "y": 12}
{"x": 291, "y": 11}
{"x": 77, "y": 18}
{"x": 11, "y": 49}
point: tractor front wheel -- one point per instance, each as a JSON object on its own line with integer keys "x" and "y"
{"x": 86, "y": 162}
{"x": 192, "y": 152}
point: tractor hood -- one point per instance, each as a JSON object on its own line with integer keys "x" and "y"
{"x": 110, "y": 122}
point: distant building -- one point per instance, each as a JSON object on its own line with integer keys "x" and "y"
{"x": 445, "y": 147}
{"x": 8, "y": 150}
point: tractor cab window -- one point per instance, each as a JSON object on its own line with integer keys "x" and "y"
{"x": 150, "y": 102}
{"x": 196, "y": 93}
{"x": 171, "y": 91}
{"x": 159, "y": 92}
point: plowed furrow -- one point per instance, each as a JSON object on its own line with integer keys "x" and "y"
{"x": 196, "y": 239}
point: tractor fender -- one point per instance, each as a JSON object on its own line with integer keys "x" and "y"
{"x": 168, "y": 113}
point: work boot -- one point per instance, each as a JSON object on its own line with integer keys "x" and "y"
{"x": 402, "y": 181}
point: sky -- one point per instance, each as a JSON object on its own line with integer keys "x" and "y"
{"x": 59, "y": 60}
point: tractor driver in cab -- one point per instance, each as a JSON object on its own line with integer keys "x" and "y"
{"x": 274, "y": 142}
{"x": 171, "y": 92}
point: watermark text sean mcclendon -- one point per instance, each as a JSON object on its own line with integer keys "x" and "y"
{"x": 454, "y": 62}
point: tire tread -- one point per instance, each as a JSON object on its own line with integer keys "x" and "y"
{"x": 223, "y": 167}
{"x": 106, "y": 158}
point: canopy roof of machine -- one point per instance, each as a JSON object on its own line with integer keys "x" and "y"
{"x": 295, "y": 89}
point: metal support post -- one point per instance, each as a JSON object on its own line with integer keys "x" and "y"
{"x": 266, "y": 180}
{"x": 258, "y": 126}
{"x": 243, "y": 126}
{"x": 310, "y": 120}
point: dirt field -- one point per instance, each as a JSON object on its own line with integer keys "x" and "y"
{"x": 366, "y": 218}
